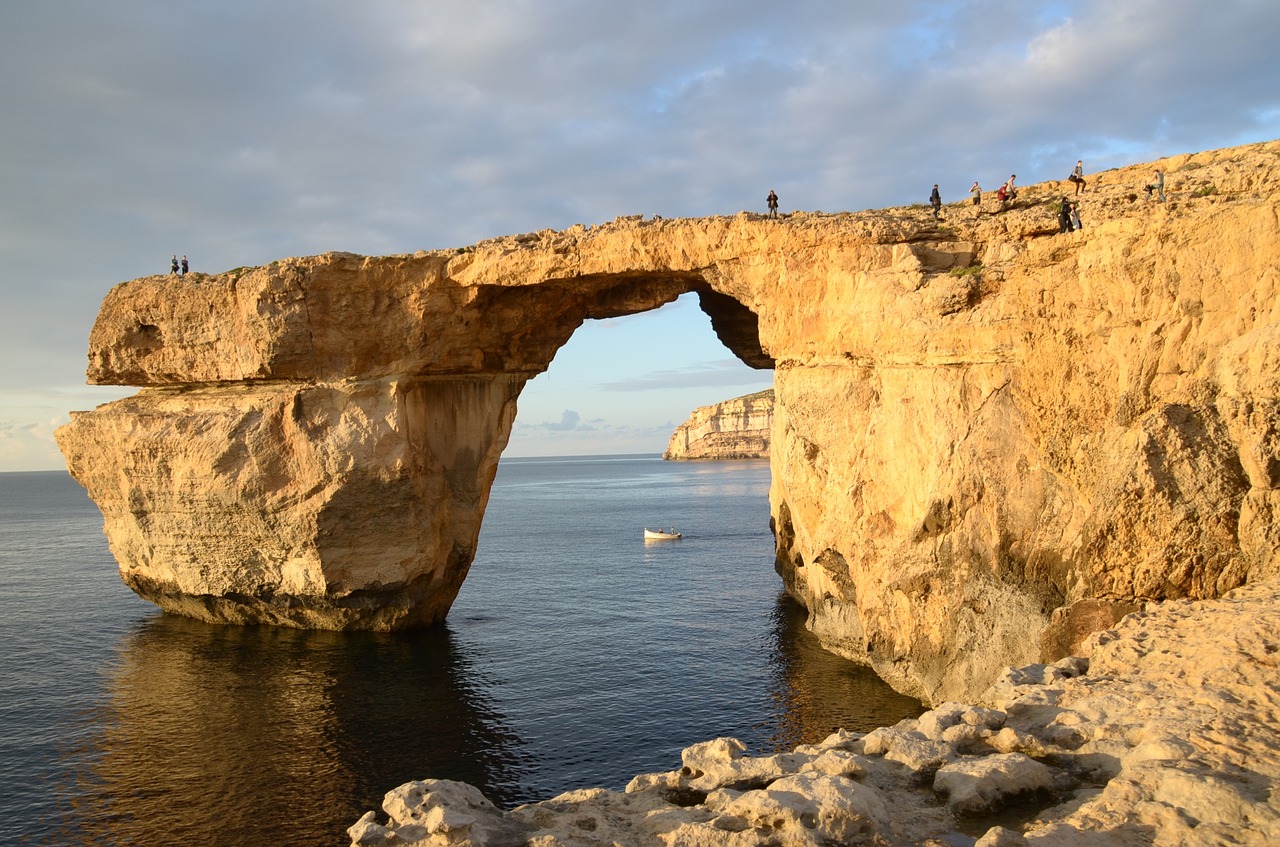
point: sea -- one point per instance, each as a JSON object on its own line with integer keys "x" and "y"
{"x": 576, "y": 655}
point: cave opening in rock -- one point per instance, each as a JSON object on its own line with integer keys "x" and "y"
{"x": 621, "y": 385}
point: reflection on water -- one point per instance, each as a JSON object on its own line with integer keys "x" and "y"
{"x": 575, "y": 656}
{"x": 235, "y": 735}
{"x": 257, "y": 735}
{"x": 817, "y": 692}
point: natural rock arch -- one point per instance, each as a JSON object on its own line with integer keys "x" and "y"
{"x": 988, "y": 440}
{"x": 316, "y": 439}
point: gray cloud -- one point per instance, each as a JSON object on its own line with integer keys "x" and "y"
{"x": 242, "y": 132}
{"x": 568, "y": 422}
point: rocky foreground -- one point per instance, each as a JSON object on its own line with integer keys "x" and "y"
{"x": 1167, "y": 733}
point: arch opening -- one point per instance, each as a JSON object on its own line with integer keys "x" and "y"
{"x": 626, "y": 379}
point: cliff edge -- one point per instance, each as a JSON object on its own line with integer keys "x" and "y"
{"x": 731, "y": 429}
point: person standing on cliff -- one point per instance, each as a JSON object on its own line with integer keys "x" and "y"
{"x": 772, "y": 201}
{"x": 1064, "y": 217}
{"x": 185, "y": 266}
{"x": 1010, "y": 190}
{"x": 1156, "y": 184}
{"x": 1077, "y": 176}
{"x": 975, "y": 191}
{"x": 935, "y": 200}
{"x": 173, "y": 264}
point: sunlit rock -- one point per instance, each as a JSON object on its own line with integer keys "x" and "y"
{"x": 989, "y": 783}
{"x": 989, "y": 440}
{"x": 731, "y": 429}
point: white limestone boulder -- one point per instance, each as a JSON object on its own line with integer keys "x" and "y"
{"x": 989, "y": 783}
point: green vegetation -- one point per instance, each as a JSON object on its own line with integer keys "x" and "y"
{"x": 1190, "y": 166}
{"x": 969, "y": 271}
{"x": 1206, "y": 191}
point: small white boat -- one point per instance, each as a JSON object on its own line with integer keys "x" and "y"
{"x": 660, "y": 534}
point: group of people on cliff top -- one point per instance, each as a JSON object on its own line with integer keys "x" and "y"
{"x": 1068, "y": 212}
{"x": 1006, "y": 194}
{"x": 178, "y": 268}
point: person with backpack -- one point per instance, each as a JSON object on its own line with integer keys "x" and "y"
{"x": 1077, "y": 176}
{"x": 935, "y": 200}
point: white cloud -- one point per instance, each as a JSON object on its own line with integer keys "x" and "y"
{"x": 28, "y": 447}
{"x": 588, "y": 439}
{"x": 724, "y": 373}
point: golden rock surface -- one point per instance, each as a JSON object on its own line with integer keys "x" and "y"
{"x": 989, "y": 440}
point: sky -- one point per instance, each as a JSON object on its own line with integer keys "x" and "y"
{"x": 243, "y": 131}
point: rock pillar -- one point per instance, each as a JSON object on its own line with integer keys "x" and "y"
{"x": 352, "y": 505}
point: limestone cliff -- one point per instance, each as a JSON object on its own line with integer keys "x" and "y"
{"x": 989, "y": 439}
{"x": 732, "y": 429}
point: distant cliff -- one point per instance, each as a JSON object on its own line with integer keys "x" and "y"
{"x": 733, "y": 429}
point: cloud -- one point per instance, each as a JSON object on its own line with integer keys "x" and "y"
{"x": 722, "y": 373}
{"x": 602, "y": 438}
{"x": 239, "y": 133}
{"x": 28, "y": 446}
{"x": 568, "y": 421}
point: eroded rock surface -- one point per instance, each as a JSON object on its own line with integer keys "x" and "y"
{"x": 989, "y": 439}
{"x": 1165, "y": 735}
{"x": 739, "y": 428}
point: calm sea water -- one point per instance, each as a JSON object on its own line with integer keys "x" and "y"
{"x": 576, "y": 655}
